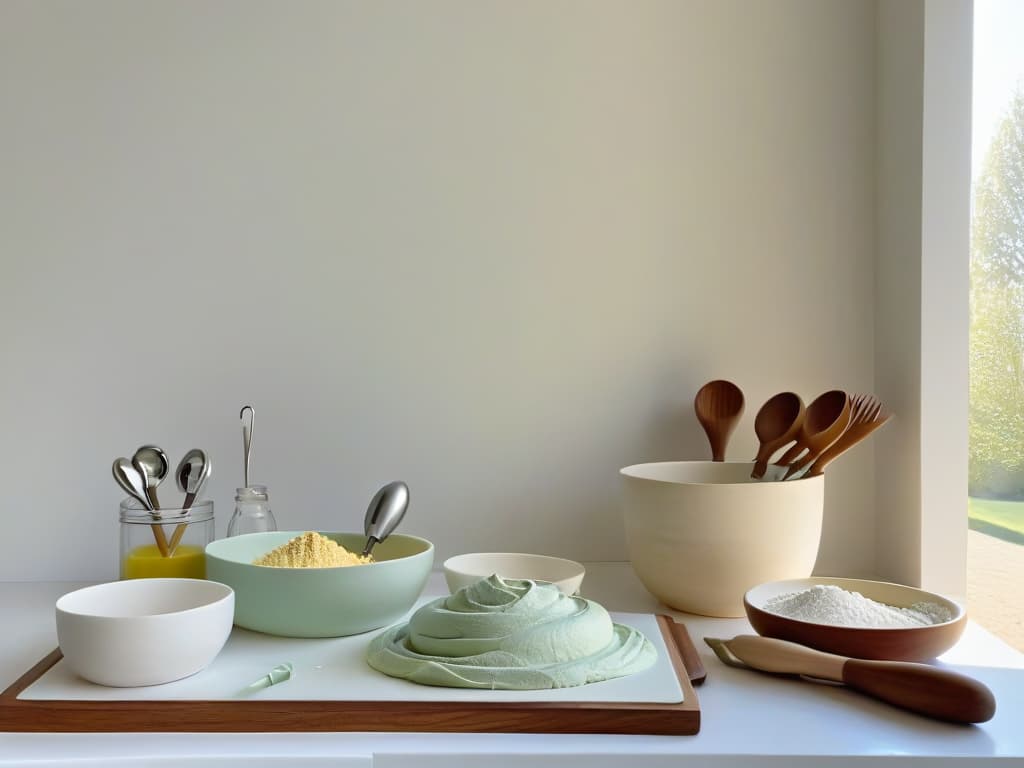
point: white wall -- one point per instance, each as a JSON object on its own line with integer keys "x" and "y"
{"x": 491, "y": 248}
{"x": 945, "y": 311}
{"x": 898, "y": 287}
{"x": 922, "y": 281}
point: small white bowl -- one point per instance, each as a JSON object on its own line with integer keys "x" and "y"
{"x": 144, "y": 631}
{"x": 462, "y": 570}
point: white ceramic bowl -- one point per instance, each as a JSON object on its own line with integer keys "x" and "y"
{"x": 701, "y": 533}
{"x": 321, "y": 602}
{"x": 462, "y": 570}
{"x": 144, "y": 631}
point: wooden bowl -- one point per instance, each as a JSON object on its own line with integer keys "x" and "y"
{"x": 904, "y": 644}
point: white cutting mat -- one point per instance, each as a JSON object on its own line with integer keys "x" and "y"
{"x": 334, "y": 669}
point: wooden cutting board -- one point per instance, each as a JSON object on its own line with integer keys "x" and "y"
{"x": 338, "y": 715}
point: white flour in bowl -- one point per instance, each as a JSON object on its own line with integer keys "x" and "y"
{"x": 828, "y": 604}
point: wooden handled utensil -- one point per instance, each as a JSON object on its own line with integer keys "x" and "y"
{"x": 863, "y": 408}
{"x": 868, "y": 416}
{"x": 921, "y": 688}
{"x": 777, "y": 424}
{"x": 135, "y": 485}
{"x": 193, "y": 470}
{"x": 719, "y": 406}
{"x": 826, "y": 419}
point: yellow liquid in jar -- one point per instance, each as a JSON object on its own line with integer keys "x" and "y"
{"x": 146, "y": 562}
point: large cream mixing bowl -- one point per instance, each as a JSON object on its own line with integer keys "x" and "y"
{"x": 701, "y": 533}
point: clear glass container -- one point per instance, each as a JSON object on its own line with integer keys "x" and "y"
{"x": 252, "y": 511}
{"x": 173, "y": 546}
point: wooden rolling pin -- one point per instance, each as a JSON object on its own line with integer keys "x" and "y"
{"x": 920, "y": 688}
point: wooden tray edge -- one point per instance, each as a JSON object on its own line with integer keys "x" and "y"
{"x": 67, "y": 716}
{"x": 684, "y": 643}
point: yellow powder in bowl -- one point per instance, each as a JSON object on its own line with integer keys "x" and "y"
{"x": 311, "y": 550}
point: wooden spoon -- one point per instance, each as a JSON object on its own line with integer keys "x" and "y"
{"x": 777, "y": 424}
{"x": 719, "y": 405}
{"x": 862, "y": 408}
{"x": 826, "y": 419}
{"x": 868, "y": 416}
{"x": 921, "y": 688}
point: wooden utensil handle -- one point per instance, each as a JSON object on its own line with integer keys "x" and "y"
{"x": 849, "y": 439}
{"x": 179, "y": 531}
{"x": 791, "y": 454}
{"x": 769, "y": 654}
{"x": 800, "y": 464}
{"x": 920, "y": 688}
{"x": 161, "y": 539}
{"x": 764, "y": 453}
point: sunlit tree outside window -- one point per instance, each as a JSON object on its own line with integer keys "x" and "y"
{"x": 996, "y": 426}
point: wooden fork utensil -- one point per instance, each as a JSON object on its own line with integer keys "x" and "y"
{"x": 866, "y": 415}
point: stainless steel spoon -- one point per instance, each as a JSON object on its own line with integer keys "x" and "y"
{"x": 386, "y": 510}
{"x": 247, "y": 437}
{"x": 151, "y": 463}
{"x": 134, "y": 484}
{"x": 131, "y": 481}
{"x": 192, "y": 472}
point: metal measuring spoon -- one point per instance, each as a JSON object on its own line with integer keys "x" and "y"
{"x": 133, "y": 482}
{"x": 193, "y": 470}
{"x": 151, "y": 462}
{"x": 386, "y": 510}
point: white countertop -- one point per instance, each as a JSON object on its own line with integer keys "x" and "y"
{"x": 746, "y": 718}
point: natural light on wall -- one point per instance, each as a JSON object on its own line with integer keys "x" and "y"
{"x": 996, "y": 473}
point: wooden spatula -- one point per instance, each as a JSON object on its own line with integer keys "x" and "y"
{"x": 920, "y": 688}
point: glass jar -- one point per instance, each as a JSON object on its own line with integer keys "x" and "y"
{"x": 171, "y": 546}
{"x": 252, "y": 511}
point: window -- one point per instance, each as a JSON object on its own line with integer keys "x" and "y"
{"x": 995, "y": 564}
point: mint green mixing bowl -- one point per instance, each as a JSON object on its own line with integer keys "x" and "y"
{"x": 320, "y": 602}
